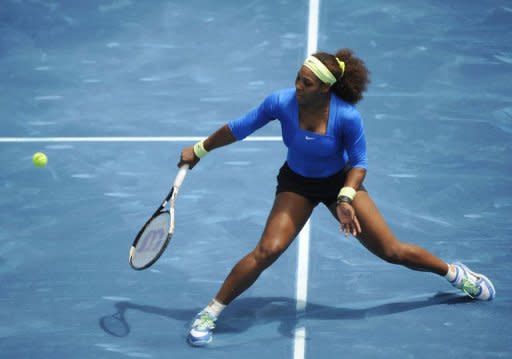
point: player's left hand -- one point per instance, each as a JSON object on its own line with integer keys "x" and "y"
{"x": 349, "y": 223}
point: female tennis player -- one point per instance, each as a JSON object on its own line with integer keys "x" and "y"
{"x": 327, "y": 163}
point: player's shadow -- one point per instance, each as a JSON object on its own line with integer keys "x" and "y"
{"x": 244, "y": 313}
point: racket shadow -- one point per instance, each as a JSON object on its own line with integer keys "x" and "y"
{"x": 118, "y": 326}
{"x": 245, "y": 313}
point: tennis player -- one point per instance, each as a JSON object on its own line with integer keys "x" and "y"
{"x": 326, "y": 163}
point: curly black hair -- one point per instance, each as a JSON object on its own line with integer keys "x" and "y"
{"x": 351, "y": 84}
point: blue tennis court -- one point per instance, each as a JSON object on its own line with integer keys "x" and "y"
{"x": 92, "y": 84}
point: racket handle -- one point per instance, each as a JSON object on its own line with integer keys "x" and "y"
{"x": 181, "y": 176}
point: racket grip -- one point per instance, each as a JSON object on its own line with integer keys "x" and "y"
{"x": 181, "y": 175}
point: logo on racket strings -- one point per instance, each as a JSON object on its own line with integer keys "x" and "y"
{"x": 152, "y": 240}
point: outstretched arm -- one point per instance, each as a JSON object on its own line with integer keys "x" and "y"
{"x": 222, "y": 137}
{"x": 235, "y": 130}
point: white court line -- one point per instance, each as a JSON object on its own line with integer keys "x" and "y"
{"x": 303, "y": 268}
{"x": 314, "y": 9}
{"x": 126, "y": 139}
{"x": 299, "y": 347}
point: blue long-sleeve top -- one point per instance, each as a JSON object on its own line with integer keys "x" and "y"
{"x": 310, "y": 154}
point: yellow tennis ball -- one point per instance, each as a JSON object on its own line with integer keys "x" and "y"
{"x": 39, "y": 159}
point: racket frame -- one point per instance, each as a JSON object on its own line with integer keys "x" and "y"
{"x": 171, "y": 199}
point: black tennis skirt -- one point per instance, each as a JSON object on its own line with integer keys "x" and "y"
{"x": 317, "y": 190}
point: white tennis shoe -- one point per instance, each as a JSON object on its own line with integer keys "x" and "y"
{"x": 475, "y": 285}
{"x": 201, "y": 329}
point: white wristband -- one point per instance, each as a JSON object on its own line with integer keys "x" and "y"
{"x": 348, "y": 192}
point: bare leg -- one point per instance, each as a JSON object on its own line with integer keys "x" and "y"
{"x": 289, "y": 214}
{"x": 377, "y": 237}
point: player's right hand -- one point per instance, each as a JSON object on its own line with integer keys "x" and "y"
{"x": 188, "y": 157}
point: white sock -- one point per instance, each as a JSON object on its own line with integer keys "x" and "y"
{"x": 452, "y": 273}
{"x": 215, "y": 308}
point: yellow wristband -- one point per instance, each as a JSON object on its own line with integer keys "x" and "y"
{"x": 348, "y": 192}
{"x": 199, "y": 149}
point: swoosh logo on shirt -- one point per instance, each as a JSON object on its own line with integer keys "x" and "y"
{"x": 310, "y": 138}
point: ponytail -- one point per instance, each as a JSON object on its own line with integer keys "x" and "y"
{"x": 351, "y": 83}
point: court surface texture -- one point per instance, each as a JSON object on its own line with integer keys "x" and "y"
{"x": 113, "y": 90}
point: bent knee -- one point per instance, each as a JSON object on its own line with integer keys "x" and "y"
{"x": 395, "y": 254}
{"x": 402, "y": 253}
{"x": 266, "y": 253}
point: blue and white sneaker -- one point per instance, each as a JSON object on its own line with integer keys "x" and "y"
{"x": 201, "y": 330}
{"x": 475, "y": 285}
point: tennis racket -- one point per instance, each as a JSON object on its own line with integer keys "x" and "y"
{"x": 155, "y": 234}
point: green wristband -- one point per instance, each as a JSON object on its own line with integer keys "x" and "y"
{"x": 199, "y": 150}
